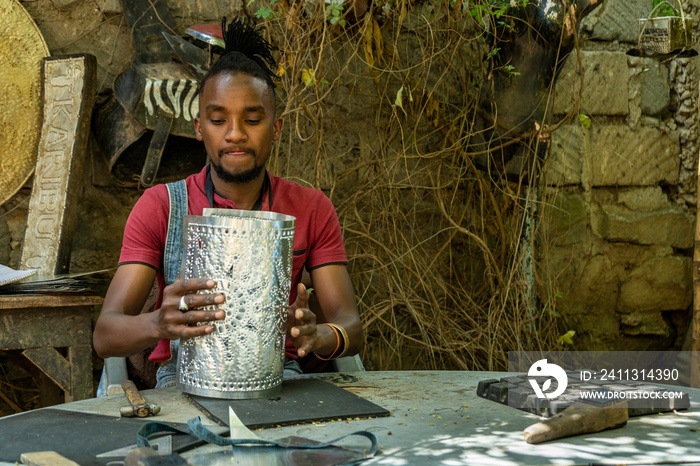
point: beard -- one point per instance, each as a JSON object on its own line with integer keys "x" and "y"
{"x": 237, "y": 178}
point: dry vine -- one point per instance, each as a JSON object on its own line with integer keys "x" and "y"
{"x": 438, "y": 249}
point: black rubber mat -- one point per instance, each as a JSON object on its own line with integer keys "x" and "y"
{"x": 301, "y": 400}
{"x": 77, "y": 436}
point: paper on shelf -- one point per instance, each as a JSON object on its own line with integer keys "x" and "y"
{"x": 9, "y": 275}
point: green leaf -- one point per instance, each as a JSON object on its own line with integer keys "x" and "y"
{"x": 398, "y": 101}
{"x": 478, "y": 12}
{"x": 511, "y": 71}
{"x": 264, "y": 13}
{"x": 665, "y": 9}
{"x": 307, "y": 77}
{"x": 505, "y": 25}
{"x": 493, "y": 52}
{"x": 567, "y": 338}
{"x": 585, "y": 121}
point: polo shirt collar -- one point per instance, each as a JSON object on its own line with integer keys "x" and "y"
{"x": 209, "y": 191}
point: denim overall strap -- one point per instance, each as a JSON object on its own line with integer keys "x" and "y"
{"x": 172, "y": 259}
{"x": 172, "y": 256}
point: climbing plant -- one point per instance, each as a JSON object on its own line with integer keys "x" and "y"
{"x": 380, "y": 112}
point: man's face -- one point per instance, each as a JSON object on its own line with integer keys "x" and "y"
{"x": 237, "y": 124}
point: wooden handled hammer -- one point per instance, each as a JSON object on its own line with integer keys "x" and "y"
{"x": 138, "y": 407}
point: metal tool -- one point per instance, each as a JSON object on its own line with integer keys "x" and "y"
{"x": 138, "y": 407}
{"x": 194, "y": 58}
{"x": 208, "y": 33}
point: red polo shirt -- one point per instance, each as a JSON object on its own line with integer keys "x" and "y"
{"x": 317, "y": 237}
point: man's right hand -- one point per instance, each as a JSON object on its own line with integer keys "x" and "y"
{"x": 122, "y": 329}
{"x": 174, "y": 323}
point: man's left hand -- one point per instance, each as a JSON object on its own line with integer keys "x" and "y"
{"x": 301, "y": 323}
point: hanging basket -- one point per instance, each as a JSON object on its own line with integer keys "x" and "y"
{"x": 665, "y": 34}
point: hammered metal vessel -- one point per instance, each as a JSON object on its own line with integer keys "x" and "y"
{"x": 249, "y": 255}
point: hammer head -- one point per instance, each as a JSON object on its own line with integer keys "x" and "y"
{"x": 139, "y": 407}
{"x": 139, "y": 411}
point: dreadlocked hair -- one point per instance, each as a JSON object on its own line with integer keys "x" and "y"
{"x": 245, "y": 51}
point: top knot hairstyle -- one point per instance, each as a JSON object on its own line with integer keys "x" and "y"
{"x": 245, "y": 51}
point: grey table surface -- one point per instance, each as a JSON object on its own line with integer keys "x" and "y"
{"x": 437, "y": 418}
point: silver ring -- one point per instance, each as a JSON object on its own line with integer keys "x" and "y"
{"x": 183, "y": 305}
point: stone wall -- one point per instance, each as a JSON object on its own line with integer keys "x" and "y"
{"x": 619, "y": 232}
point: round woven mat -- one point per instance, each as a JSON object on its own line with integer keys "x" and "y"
{"x": 22, "y": 49}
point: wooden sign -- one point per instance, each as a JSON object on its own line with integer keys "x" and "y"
{"x": 69, "y": 88}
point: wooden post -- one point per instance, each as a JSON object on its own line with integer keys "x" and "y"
{"x": 695, "y": 322}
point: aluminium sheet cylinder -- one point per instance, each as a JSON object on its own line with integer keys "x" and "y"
{"x": 249, "y": 255}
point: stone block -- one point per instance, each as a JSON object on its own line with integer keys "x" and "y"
{"x": 659, "y": 284}
{"x": 672, "y": 226}
{"x": 644, "y": 199}
{"x": 621, "y": 156}
{"x": 565, "y": 217}
{"x": 588, "y": 286}
{"x": 565, "y": 165}
{"x": 654, "y": 88}
{"x": 589, "y": 279}
{"x": 644, "y": 323}
{"x": 110, "y": 6}
{"x": 605, "y": 80}
{"x": 617, "y": 20}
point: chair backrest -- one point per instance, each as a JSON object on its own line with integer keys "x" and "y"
{"x": 349, "y": 364}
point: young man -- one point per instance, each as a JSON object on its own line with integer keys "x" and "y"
{"x": 238, "y": 126}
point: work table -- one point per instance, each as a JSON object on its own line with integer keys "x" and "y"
{"x": 437, "y": 418}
